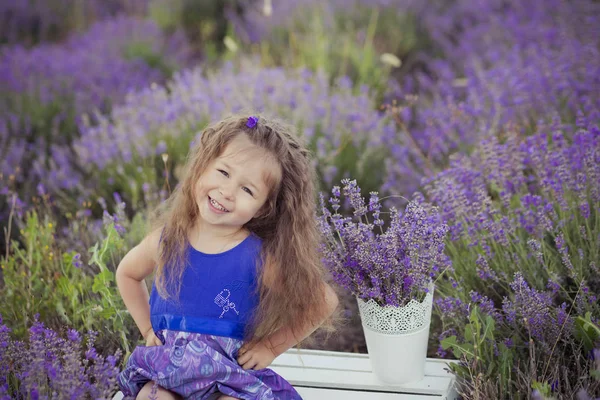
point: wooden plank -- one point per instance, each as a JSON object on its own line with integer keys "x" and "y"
{"x": 360, "y": 380}
{"x": 335, "y": 370}
{"x": 346, "y": 361}
{"x": 333, "y": 394}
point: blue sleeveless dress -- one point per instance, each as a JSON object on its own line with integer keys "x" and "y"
{"x": 203, "y": 331}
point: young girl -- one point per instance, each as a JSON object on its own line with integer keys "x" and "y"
{"x": 238, "y": 280}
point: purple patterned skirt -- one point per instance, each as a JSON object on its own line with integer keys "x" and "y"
{"x": 199, "y": 366}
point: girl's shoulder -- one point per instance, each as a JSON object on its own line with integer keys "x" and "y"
{"x": 140, "y": 261}
{"x": 150, "y": 244}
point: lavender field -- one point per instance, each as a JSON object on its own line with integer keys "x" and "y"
{"x": 488, "y": 112}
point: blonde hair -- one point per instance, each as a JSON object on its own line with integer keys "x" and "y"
{"x": 291, "y": 289}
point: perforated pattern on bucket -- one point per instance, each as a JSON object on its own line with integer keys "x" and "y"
{"x": 401, "y": 320}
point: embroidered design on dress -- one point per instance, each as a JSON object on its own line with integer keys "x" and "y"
{"x": 223, "y": 301}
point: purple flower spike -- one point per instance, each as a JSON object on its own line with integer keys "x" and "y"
{"x": 252, "y": 121}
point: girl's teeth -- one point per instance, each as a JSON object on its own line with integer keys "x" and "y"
{"x": 217, "y": 205}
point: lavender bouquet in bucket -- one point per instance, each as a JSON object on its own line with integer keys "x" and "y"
{"x": 389, "y": 264}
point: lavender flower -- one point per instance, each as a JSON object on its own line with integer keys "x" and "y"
{"x": 390, "y": 264}
{"x": 335, "y": 116}
{"x": 45, "y": 89}
{"x": 77, "y": 260}
{"x": 502, "y": 65}
{"x": 526, "y": 216}
{"x": 535, "y": 308}
{"x": 484, "y": 271}
{"x": 48, "y": 365}
{"x": 461, "y": 191}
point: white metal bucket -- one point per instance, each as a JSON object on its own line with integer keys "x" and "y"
{"x": 397, "y": 338}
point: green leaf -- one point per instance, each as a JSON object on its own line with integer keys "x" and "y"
{"x": 586, "y": 331}
{"x": 448, "y": 342}
{"x": 60, "y": 309}
{"x": 468, "y": 350}
{"x": 94, "y": 248}
{"x": 104, "y": 279}
{"x": 107, "y": 313}
{"x": 458, "y": 349}
{"x": 468, "y": 333}
{"x": 474, "y": 320}
{"x": 94, "y": 251}
{"x": 491, "y": 370}
{"x": 64, "y": 286}
{"x": 86, "y": 308}
{"x": 459, "y": 370}
{"x": 489, "y": 327}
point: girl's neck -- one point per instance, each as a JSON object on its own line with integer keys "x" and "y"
{"x": 208, "y": 240}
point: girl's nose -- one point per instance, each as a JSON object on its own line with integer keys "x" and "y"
{"x": 226, "y": 192}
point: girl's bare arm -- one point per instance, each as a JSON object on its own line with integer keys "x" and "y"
{"x": 263, "y": 353}
{"x": 287, "y": 338}
{"x": 137, "y": 264}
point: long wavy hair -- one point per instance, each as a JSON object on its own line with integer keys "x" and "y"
{"x": 291, "y": 289}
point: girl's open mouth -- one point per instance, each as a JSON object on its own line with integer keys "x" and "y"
{"x": 216, "y": 205}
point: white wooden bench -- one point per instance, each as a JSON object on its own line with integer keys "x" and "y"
{"x": 329, "y": 375}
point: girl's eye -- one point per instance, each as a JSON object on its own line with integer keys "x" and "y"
{"x": 247, "y": 191}
{"x": 223, "y": 172}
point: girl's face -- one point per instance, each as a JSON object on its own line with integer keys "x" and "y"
{"x": 233, "y": 187}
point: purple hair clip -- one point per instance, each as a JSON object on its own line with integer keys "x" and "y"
{"x": 252, "y": 121}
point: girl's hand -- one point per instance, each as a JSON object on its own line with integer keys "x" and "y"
{"x": 152, "y": 340}
{"x": 258, "y": 357}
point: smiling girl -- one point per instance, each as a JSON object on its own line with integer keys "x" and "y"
{"x": 238, "y": 280}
